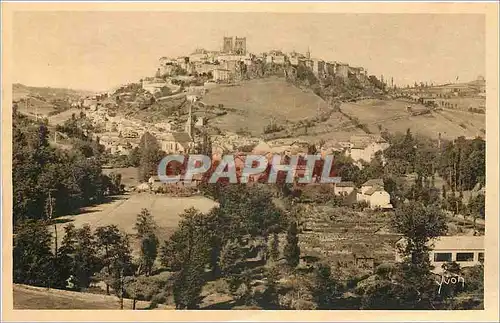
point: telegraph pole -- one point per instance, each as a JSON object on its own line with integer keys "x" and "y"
{"x": 121, "y": 289}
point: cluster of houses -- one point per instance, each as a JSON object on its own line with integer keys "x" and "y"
{"x": 120, "y": 135}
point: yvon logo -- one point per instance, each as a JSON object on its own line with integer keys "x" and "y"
{"x": 447, "y": 280}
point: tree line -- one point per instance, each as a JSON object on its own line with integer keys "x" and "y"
{"x": 235, "y": 244}
{"x": 49, "y": 181}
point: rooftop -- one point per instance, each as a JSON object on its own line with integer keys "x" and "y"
{"x": 345, "y": 184}
{"x": 373, "y": 190}
{"x": 181, "y": 137}
{"x": 374, "y": 182}
{"x": 459, "y": 242}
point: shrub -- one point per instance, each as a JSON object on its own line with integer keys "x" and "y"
{"x": 273, "y": 127}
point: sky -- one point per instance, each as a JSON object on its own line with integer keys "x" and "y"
{"x": 101, "y": 50}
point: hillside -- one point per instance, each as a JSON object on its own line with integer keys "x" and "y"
{"x": 251, "y": 105}
{"x": 46, "y": 101}
{"x": 392, "y": 115}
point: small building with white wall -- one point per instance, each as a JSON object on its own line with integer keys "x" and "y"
{"x": 373, "y": 193}
{"x": 467, "y": 251}
{"x": 222, "y": 75}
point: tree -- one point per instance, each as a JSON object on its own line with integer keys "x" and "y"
{"x": 134, "y": 157}
{"x": 231, "y": 263}
{"x": 270, "y": 297}
{"x": 188, "y": 251}
{"x": 115, "y": 181}
{"x": 150, "y": 156}
{"x": 149, "y": 252}
{"x": 32, "y": 256}
{"x": 188, "y": 285}
{"x": 419, "y": 224}
{"x": 115, "y": 255}
{"x": 80, "y": 250}
{"x": 292, "y": 250}
{"x": 274, "y": 252}
{"x": 145, "y": 224}
{"x": 476, "y": 206}
{"x": 326, "y": 291}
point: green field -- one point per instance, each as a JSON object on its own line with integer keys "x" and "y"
{"x": 60, "y": 118}
{"x": 123, "y": 212}
{"x": 36, "y": 107}
{"x": 130, "y": 175}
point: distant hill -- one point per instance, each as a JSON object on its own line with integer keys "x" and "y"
{"x": 20, "y": 91}
{"x": 44, "y": 101}
{"x": 379, "y": 115}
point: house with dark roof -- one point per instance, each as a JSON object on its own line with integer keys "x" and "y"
{"x": 344, "y": 188}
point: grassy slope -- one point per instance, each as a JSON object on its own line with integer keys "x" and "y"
{"x": 36, "y": 107}
{"x": 123, "y": 213}
{"x": 253, "y": 103}
{"x": 29, "y": 297}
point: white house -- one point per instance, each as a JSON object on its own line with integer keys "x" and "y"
{"x": 365, "y": 147}
{"x": 372, "y": 192}
{"x": 220, "y": 74}
{"x": 378, "y": 198}
{"x": 467, "y": 251}
{"x": 153, "y": 85}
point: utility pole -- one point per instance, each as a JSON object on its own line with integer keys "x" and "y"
{"x": 121, "y": 289}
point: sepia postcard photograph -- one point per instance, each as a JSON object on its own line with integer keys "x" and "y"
{"x": 265, "y": 161}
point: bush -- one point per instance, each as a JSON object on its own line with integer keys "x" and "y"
{"x": 273, "y": 127}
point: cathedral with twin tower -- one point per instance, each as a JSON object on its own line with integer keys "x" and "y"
{"x": 238, "y": 46}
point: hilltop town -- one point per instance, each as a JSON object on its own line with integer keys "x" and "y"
{"x": 204, "y": 90}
